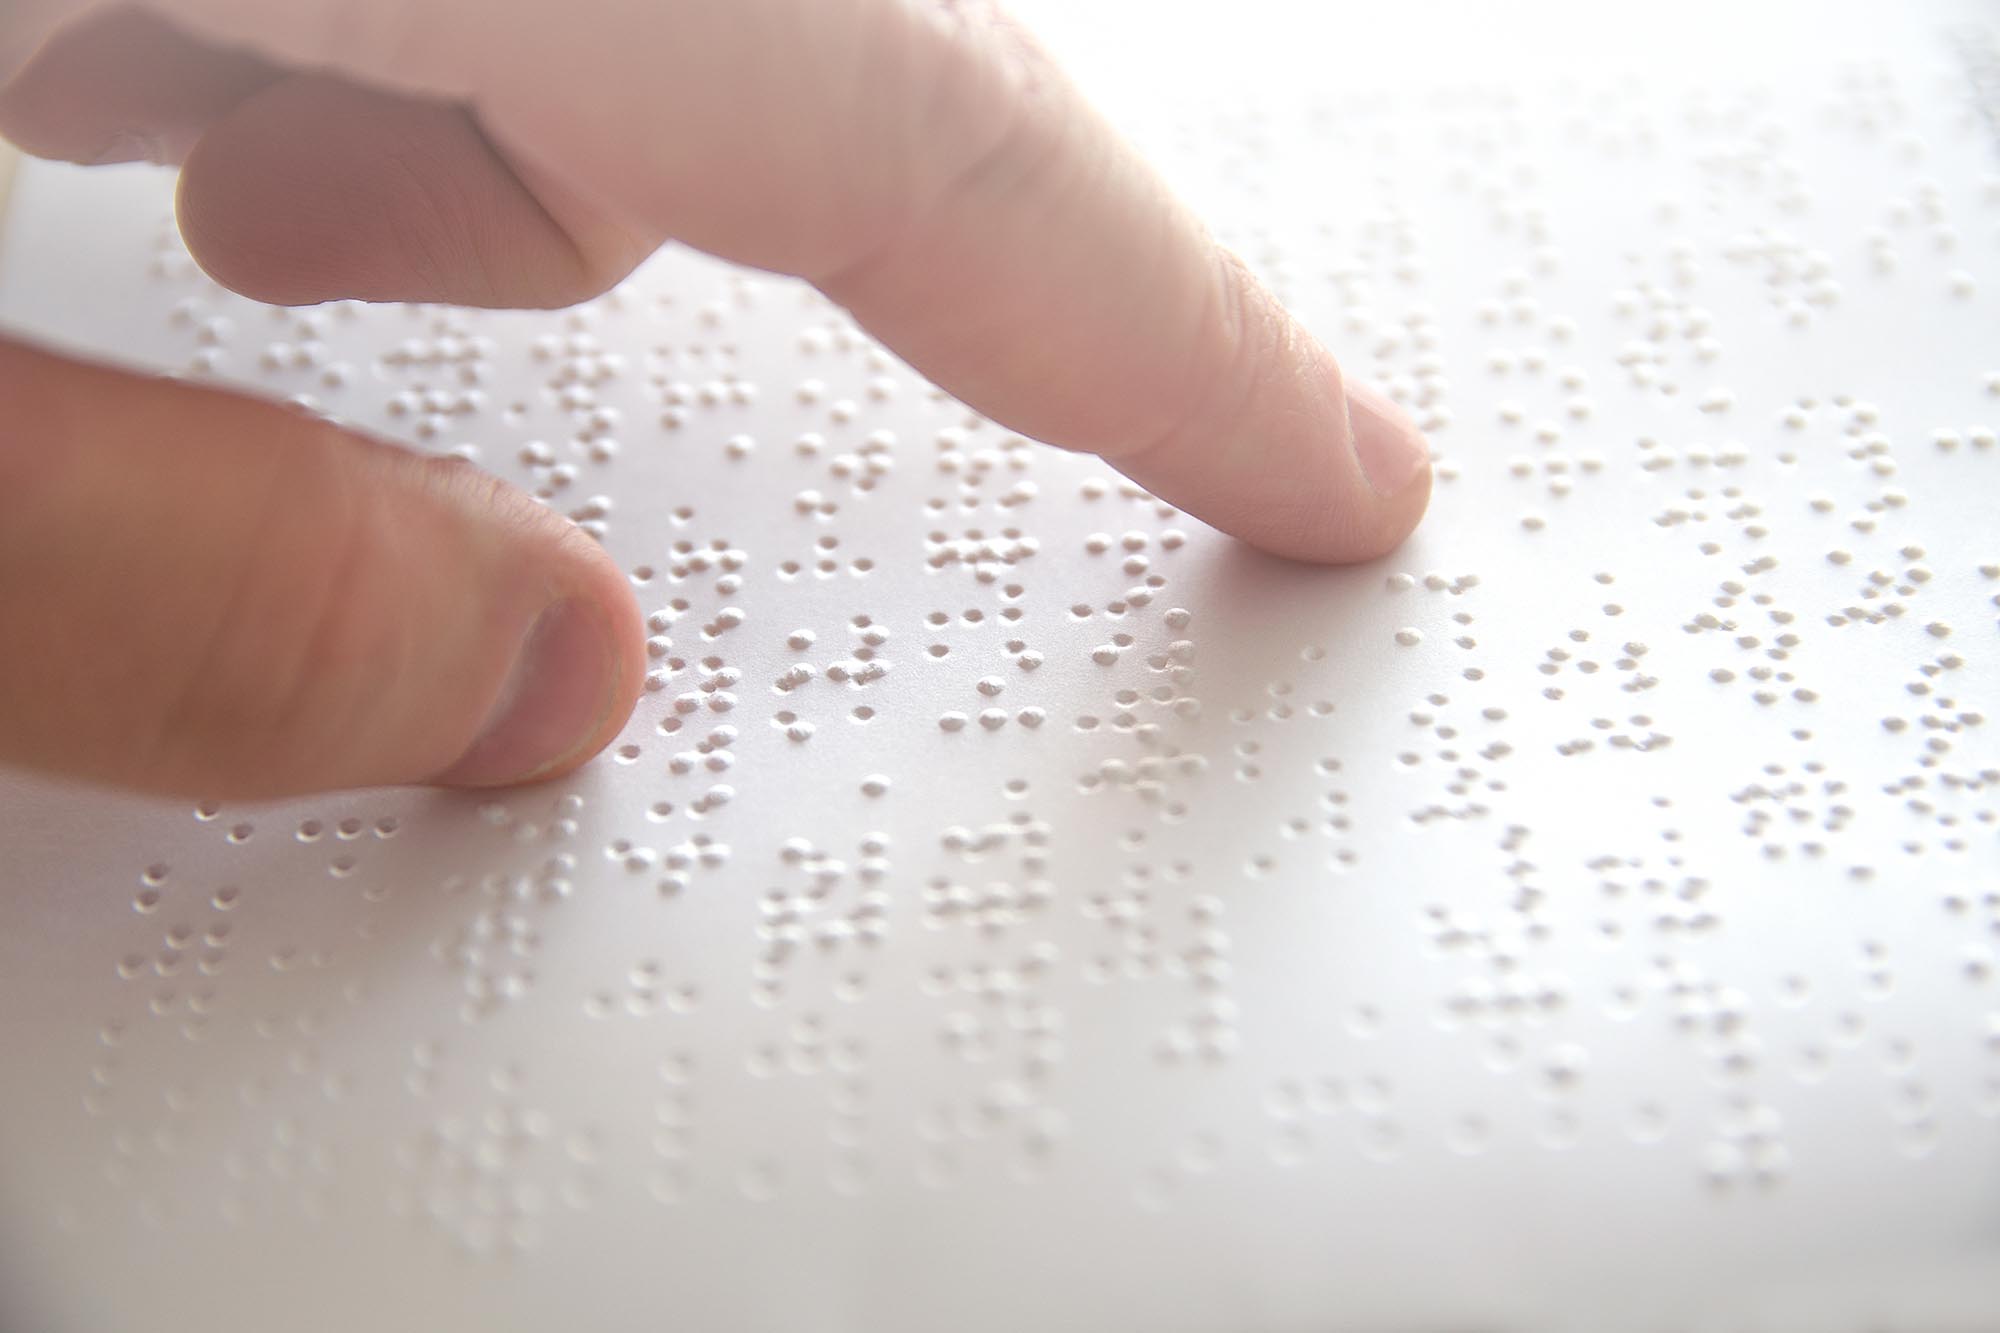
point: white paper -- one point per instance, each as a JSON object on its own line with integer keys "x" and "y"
{"x": 1542, "y": 928}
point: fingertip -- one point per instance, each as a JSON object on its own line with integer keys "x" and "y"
{"x": 567, "y": 693}
{"x": 1281, "y": 452}
{"x": 229, "y": 237}
{"x": 1388, "y": 445}
{"x": 575, "y": 665}
{"x": 316, "y": 189}
{"x": 601, "y": 587}
{"x": 1372, "y": 470}
{"x": 1394, "y": 459}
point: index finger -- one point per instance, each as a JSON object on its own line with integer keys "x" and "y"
{"x": 926, "y": 164}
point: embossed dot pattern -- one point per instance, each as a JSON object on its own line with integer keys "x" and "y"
{"x": 1013, "y": 904}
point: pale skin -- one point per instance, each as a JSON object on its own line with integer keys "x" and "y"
{"x": 205, "y": 594}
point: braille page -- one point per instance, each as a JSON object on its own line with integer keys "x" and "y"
{"x": 1014, "y": 905}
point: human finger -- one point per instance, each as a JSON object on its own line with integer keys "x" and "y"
{"x": 206, "y": 594}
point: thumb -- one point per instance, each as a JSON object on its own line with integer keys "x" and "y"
{"x": 203, "y": 594}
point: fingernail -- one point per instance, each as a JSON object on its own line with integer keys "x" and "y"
{"x": 1389, "y": 445}
{"x": 554, "y": 700}
{"x": 127, "y": 146}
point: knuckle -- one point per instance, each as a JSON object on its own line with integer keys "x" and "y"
{"x": 1234, "y": 345}
{"x": 458, "y": 487}
{"x": 989, "y": 32}
{"x": 992, "y": 113}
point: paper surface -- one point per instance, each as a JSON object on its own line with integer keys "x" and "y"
{"x": 1019, "y": 906}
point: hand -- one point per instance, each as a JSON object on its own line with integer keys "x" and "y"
{"x": 204, "y": 593}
